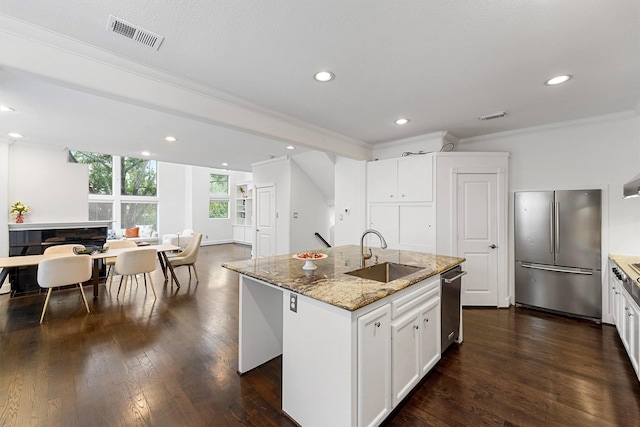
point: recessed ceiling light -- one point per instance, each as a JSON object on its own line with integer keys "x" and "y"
{"x": 145, "y": 153}
{"x": 170, "y": 138}
{"x": 402, "y": 121}
{"x": 225, "y": 164}
{"x": 290, "y": 147}
{"x": 558, "y": 80}
{"x": 324, "y": 76}
{"x": 6, "y": 109}
{"x": 15, "y": 135}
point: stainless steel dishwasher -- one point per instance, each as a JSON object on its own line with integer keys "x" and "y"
{"x": 451, "y": 281}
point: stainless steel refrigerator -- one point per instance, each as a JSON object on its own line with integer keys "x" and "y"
{"x": 557, "y": 251}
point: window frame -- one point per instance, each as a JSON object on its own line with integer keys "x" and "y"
{"x": 220, "y": 197}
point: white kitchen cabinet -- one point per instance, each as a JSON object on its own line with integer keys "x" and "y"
{"x": 405, "y": 179}
{"x": 374, "y": 366}
{"x": 242, "y": 234}
{"x": 415, "y": 347}
{"x": 404, "y": 226}
{"x": 629, "y": 318}
{"x": 429, "y": 336}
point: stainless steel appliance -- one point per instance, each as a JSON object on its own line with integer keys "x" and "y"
{"x": 450, "y": 306}
{"x": 557, "y": 251}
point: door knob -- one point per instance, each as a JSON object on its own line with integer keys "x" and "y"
{"x": 492, "y": 246}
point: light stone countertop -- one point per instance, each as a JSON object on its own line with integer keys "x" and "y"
{"x": 329, "y": 283}
{"x": 624, "y": 262}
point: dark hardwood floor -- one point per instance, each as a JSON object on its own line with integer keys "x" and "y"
{"x": 173, "y": 362}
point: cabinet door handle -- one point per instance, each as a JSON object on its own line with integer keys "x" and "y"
{"x": 630, "y": 314}
{"x": 377, "y": 324}
{"x": 426, "y": 320}
{"x": 626, "y": 309}
{"x": 416, "y": 327}
{"x": 391, "y": 196}
{"x": 403, "y": 195}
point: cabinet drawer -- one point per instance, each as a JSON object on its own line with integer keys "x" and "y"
{"x": 405, "y": 303}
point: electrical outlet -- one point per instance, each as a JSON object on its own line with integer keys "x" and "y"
{"x": 206, "y": 236}
{"x": 293, "y": 302}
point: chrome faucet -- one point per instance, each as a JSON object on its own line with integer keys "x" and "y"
{"x": 365, "y": 257}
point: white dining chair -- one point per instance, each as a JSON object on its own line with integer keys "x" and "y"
{"x": 134, "y": 262}
{"x": 111, "y": 261}
{"x": 64, "y": 270}
{"x": 188, "y": 257}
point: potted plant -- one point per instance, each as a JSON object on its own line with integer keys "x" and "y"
{"x": 18, "y": 209}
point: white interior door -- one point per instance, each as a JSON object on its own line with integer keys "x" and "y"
{"x": 265, "y": 221}
{"x": 477, "y": 204}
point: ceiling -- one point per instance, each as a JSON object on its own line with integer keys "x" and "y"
{"x": 232, "y": 80}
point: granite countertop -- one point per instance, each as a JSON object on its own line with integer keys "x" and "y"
{"x": 633, "y": 286}
{"x": 329, "y": 283}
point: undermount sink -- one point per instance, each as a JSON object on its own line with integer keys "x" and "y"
{"x": 384, "y": 272}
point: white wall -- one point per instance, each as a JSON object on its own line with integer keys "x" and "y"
{"x": 54, "y": 189}
{"x": 600, "y": 153}
{"x": 171, "y": 188}
{"x": 277, "y": 172}
{"x": 214, "y": 230}
{"x": 310, "y": 206}
{"x": 350, "y": 194}
{"x": 4, "y": 198}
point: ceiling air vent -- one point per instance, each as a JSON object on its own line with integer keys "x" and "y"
{"x": 497, "y": 115}
{"x": 134, "y": 32}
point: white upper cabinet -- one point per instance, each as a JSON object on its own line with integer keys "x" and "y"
{"x": 406, "y": 179}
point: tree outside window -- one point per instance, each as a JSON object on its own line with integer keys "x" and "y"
{"x": 218, "y": 184}
{"x": 100, "y": 170}
{"x": 138, "y": 177}
{"x": 100, "y": 211}
{"x": 219, "y": 209}
{"x": 135, "y": 202}
{"x": 218, "y": 196}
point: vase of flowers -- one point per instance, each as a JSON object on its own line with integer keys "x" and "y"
{"x": 18, "y": 209}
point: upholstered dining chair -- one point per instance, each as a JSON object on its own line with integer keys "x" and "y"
{"x": 111, "y": 262}
{"x": 62, "y": 249}
{"x": 130, "y": 263}
{"x": 188, "y": 257}
{"x": 64, "y": 270}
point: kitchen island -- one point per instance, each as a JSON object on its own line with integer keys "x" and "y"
{"x": 334, "y": 331}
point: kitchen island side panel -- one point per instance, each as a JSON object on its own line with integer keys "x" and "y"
{"x": 318, "y": 363}
{"x": 260, "y": 323}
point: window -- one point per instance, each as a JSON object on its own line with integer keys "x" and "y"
{"x": 219, "y": 209}
{"x": 218, "y": 196}
{"x": 121, "y": 189}
{"x": 100, "y": 211}
{"x": 133, "y": 214}
{"x": 138, "y": 177}
{"x": 219, "y": 184}
{"x": 100, "y": 170}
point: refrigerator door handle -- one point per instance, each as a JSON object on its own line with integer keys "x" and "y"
{"x": 557, "y": 269}
{"x": 557, "y": 221}
{"x": 550, "y": 227}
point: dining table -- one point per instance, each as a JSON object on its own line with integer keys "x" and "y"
{"x": 7, "y": 263}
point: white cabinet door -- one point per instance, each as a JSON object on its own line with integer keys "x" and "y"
{"x": 374, "y": 366}
{"x": 384, "y": 218}
{"x": 382, "y": 180}
{"x": 417, "y": 228}
{"x": 405, "y": 355}
{"x": 415, "y": 179}
{"x": 630, "y": 329}
{"x": 429, "y": 335}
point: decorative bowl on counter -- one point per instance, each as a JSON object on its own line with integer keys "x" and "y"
{"x": 309, "y": 257}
